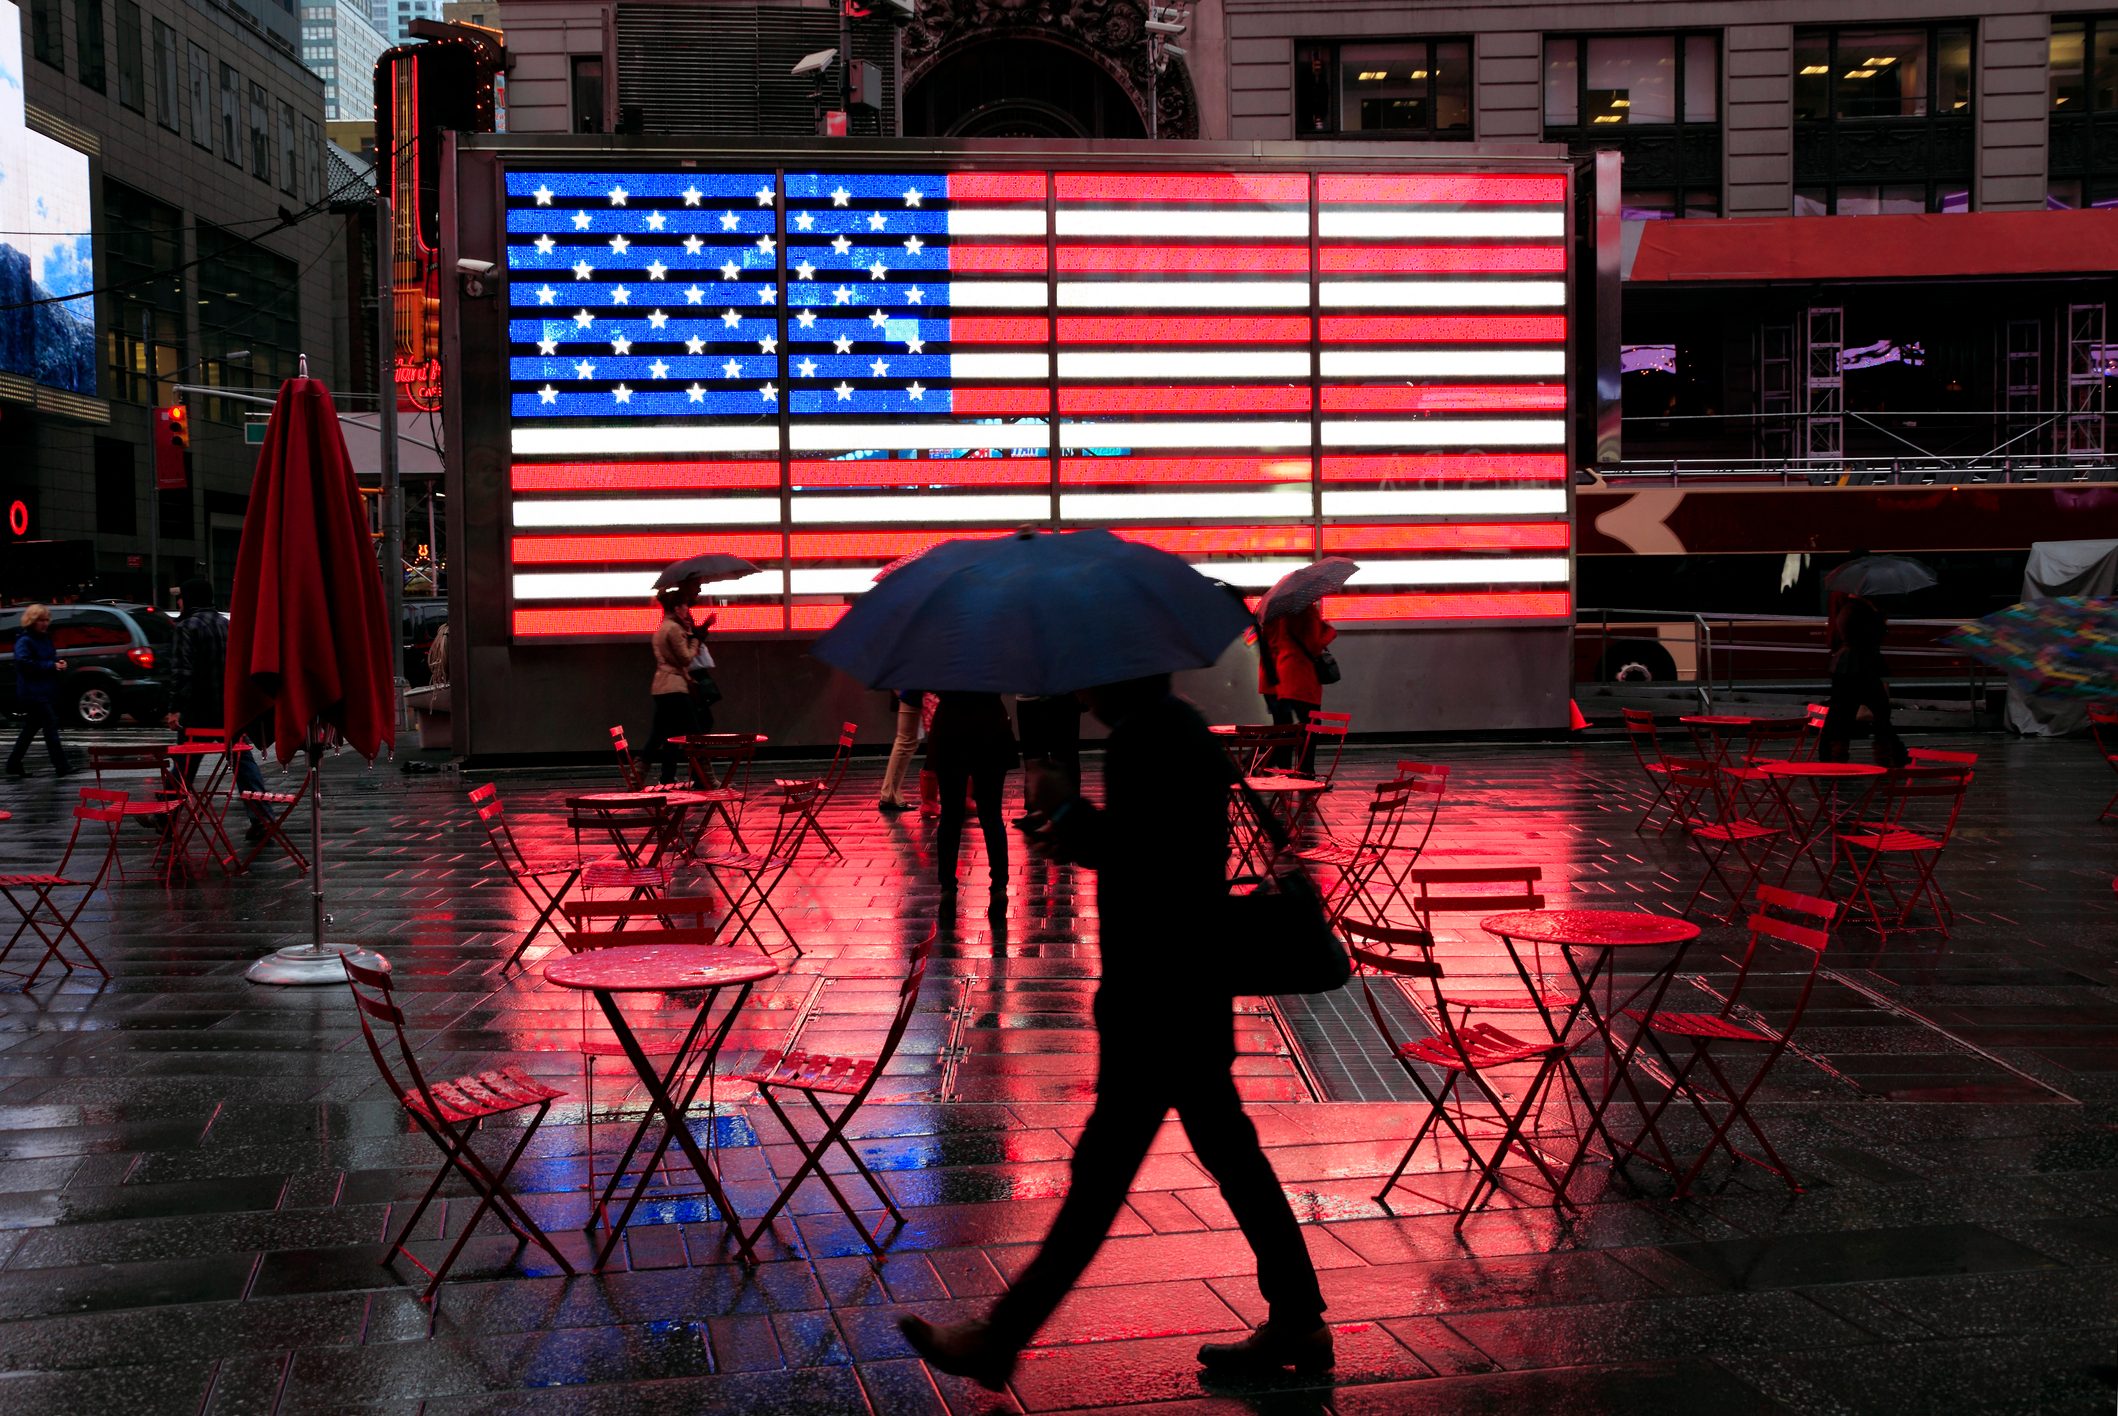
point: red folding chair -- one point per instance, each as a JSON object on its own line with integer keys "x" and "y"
{"x": 154, "y": 803}
{"x": 1768, "y": 740}
{"x": 1323, "y": 733}
{"x": 450, "y": 1113}
{"x": 1460, "y": 1051}
{"x": 2103, "y": 727}
{"x": 666, "y": 910}
{"x": 30, "y": 892}
{"x": 1439, "y": 890}
{"x": 1659, "y": 767}
{"x": 1909, "y": 816}
{"x": 630, "y": 768}
{"x": 1358, "y": 863}
{"x": 759, "y": 873}
{"x": 1749, "y": 841}
{"x": 826, "y": 786}
{"x": 277, "y": 808}
{"x": 534, "y": 878}
{"x": 720, "y": 764}
{"x": 1782, "y": 915}
{"x": 815, "y": 1075}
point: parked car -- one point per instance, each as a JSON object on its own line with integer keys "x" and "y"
{"x": 114, "y": 655}
{"x": 423, "y": 619}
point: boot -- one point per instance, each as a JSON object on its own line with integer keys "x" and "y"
{"x": 961, "y": 1350}
{"x": 1268, "y": 1350}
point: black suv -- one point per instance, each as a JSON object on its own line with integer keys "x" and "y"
{"x": 114, "y": 654}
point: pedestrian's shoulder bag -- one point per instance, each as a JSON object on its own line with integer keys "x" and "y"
{"x": 1327, "y": 670}
{"x": 703, "y": 686}
{"x": 1276, "y": 936}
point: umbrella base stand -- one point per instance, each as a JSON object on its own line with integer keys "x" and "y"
{"x": 307, "y": 965}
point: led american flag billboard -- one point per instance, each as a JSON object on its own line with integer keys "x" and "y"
{"x": 822, "y": 371}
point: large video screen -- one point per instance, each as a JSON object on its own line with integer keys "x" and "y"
{"x": 825, "y": 371}
{"x": 47, "y": 254}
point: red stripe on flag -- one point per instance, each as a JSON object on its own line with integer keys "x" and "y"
{"x": 999, "y": 329}
{"x": 996, "y": 187}
{"x": 1146, "y": 471}
{"x": 1173, "y": 329}
{"x": 1222, "y": 540}
{"x": 986, "y": 402}
{"x": 1503, "y": 605}
{"x": 1247, "y": 398}
{"x": 641, "y": 476}
{"x": 1370, "y": 188}
{"x": 995, "y": 260}
{"x": 1444, "y": 398}
{"x": 1448, "y": 467}
{"x": 1177, "y": 260}
{"x": 924, "y": 471}
{"x": 1251, "y": 187}
{"x": 628, "y": 622}
{"x": 1442, "y": 329}
{"x": 1468, "y": 260}
{"x": 1448, "y": 536}
{"x": 639, "y": 550}
{"x": 877, "y": 546}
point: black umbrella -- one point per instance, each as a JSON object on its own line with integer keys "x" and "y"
{"x": 1297, "y": 590}
{"x": 1880, "y": 575}
{"x": 713, "y": 565}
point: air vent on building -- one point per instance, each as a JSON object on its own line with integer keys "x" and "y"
{"x": 722, "y": 71}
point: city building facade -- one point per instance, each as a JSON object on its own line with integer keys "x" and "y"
{"x": 394, "y": 17}
{"x": 340, "y": 45}
{"x": 214, "y": 268}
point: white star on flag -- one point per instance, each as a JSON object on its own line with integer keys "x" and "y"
{"x": 657, "y": 319}
{"x": 764, "y": 196}
{"x": 730, "y": 271}
{"x": 617, "y": 196}
{"x": 912, "y": 196}
{"x": 843, "y": 295}
{"x": 878, "y": 271}
{"x": 914, "y": 245}
{"x": 729, "y": 221}
{"x": 622, "y": 394}
{"x": 581, "y": 220}
{"x": 731, "y": 370}
{"x": 877, "y": 221}
{"x": 545, "y": 294}
{"x": 584, "y": 370}
{"x": 807, "y": 368}
{"x": 766, "y": 294}
{"x": 842, "y": 245}
{"x": 731, "y": 318}
{"x": 583, "y": 270}
{"x": 843, "y": 344}
{"x": 547, "y": 347}
{"x": 583, "y": 318}
{"x": 914, "y": 295}
{"x": 845, "y": 391}
{"x": 545, "y": 244}
{"x": 915, "y": 393}
{"x": 621, "y": 296}
{"x": 805, "y": 271}
{"x": 840, "y": 197}
{"x": 692, "y": 195}
{"x": 768, "y": 345}
{"x": 548, "y": 394}
{"x": 697, "y": 392}
{"x": 656, "y": 270}
{"x": 878, "y": 319}
{"x": 769, "y": 393}
{"x": 655, "y": 220}
{"x": 694, "y": 296}
{"x": 658, "y": 369}
{"x": 695, "y": 345}
{"x": 618, "y": 243}
{"x": 803, "y": 221}
{"x": 806, "y": 318}
{"x": 915, "y": 345}
{"x": 693, "y": 245}
{"x": 767, "y": 245}
{"x": 543, "y": 194}
{"x": 621, "y": 345}
{"x": 879, "y": 368}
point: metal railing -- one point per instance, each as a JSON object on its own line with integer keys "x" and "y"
{"x": 1702, "y": 640}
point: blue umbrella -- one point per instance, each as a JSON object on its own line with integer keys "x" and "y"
{"x": 1033, "y": 613}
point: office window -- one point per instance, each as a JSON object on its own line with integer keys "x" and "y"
{"x": 143, "y": 251}
{"x": 2083, "y": 153}
{"x": 47, "y": 40}
{"x": 290, "y": 174}
{"x": 312, "y": 161}
{"x": 1882, "y": 120}
{"x": 249, "y": 304}
{"x": 587, "y": 73}
{"x": 201, "y": 75}
{"x": 1409, "y": 88}
{"x": 132, "y": 71}
{"x": 260, "y": 134}
{"x": 231, "y": 115}
{"x": 1656, "y": 99}
{"x": 88, "y": 41}
{"x": 168, "y": 80}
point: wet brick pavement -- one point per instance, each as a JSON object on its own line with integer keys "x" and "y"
{"x": 196, "y": 1174}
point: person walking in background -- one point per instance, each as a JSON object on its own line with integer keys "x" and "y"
{"x": 1289, "y": 648}
{"x": 1050, "y": 728}
{"x": 902, "y": 746}
{"x": 971, "y": 746}
{"x": 198, "y": 677}
{"x": 37, "y": 670}
{"x": 674, "y": 645}
{"x": 1857, "y": 682}
{"x": 1165, "y": 1037}
{"x": 705, "y": 688}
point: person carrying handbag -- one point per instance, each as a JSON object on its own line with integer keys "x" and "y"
{"x": 674, "y": 646}
{"x": 1294, "y": 664}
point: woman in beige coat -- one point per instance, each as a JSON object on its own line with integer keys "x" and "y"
{"x": 674, "y": 644}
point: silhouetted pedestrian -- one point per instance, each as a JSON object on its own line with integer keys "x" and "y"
{"x": 37, "y": 670}
{"x": 198, "y": 678}
{"x": 1857, "y": 682}
{"x": 674, "y": 645}
{"x": 970, "y": 746}
{"x": 1050, "y": 728}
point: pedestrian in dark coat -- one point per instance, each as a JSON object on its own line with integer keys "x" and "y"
{"x": 1165, "y": 1039}
{"x": 37, "y": 670}
{"x": 971, "y": 746}
{"x": 1857, "y": 682}
{"x": 198, "y": 680}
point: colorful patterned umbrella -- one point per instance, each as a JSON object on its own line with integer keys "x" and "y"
{"x": 2059, "y": 648}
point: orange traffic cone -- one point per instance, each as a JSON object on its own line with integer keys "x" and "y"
{"x": 1575, "y": 719}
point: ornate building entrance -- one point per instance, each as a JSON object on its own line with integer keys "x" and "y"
{"x": 1040, "y": 69}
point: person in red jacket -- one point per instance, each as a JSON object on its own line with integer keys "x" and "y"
{"x": 1288, "y": 647}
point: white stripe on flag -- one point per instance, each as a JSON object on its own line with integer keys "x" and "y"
{"x": 1383, "y": 223}
{"x": 608, "y": 439}
{"x": 823, "y": 436}
{"x": 996, "y": 221}
{"x": 1182, "y": 294}
{"x": 1510, "y": 501}
{"x": 1232, "y": 433}
{"x": 1437, "y": 363}
{"x": 1191, "y": 364}
{"x": 1292, "y": 502}
{"x": 1496, "y": 570}
{"x": 996, "y": 294}
{"x": 1440, "y": 294}
{"x": 813, "y": 511}
{"x": 1446, "y": 432}
{"x": 629, "y": 585}
{"x": 1000, "y": 366}
{"x": 650, "y": 511}
{"x": 1195, "y": 221}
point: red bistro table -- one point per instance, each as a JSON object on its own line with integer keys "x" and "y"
{"x": 200, "y": 816}
{"x": 1603, "y": 935}
{"x": 1716, "y": 733}
{"x": 1804, "y": 833}
{"x": 666, "y": 968}
{"x": 658, "y": 817}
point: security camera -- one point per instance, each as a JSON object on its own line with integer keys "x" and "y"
{"x": 472, "y": 275}
{"x": 1166, "y": 27}
{"x": 815, "y": 63}
{"x": 466, "y": 266}
{"x": 1176, "y": 51}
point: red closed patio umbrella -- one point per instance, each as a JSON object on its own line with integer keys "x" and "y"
{"x": 308, "y": 643}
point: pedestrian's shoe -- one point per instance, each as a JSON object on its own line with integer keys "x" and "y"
{"x": 962, "y": 1350}
{"x": 15, "y": 771}
{"x": 1269, "y": 1350}
{"x": 891, "y": 808}
{"x": 257, "y": 832}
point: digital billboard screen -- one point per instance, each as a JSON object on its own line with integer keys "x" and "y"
{"x": 823, "y": 371}
{"x": 47, "y": 254}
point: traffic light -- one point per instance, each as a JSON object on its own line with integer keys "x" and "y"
{"x": 172, "y": 448}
